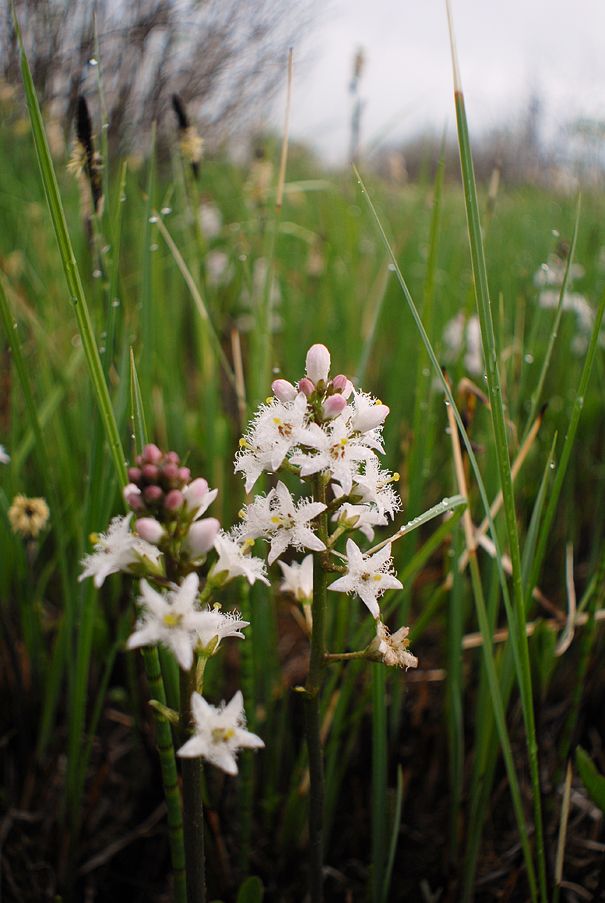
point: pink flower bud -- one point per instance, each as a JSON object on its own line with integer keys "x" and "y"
{"x": 283, "y": 390}
{"x": 201, "y": 536}
{"x": 333, "y": 406}
{"x": 339, "y": 382}
{"x": 151, "y": 454}
{"x": 150, "y": 472}
{"x": 171, "y": 472}
{"x": 152, "y": 494}
{"x": 306, "y": 386}
{"x": 171, "y": 457}
{"x": 132, "y": 497}
{"x": 184, "y": 474}
{"x": 174, "y": 500}
{"x": 149, "y": 529}
{"x": 134, "y": 474}
{"x": 318, "y": 363}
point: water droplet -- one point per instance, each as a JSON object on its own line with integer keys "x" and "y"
{"x": 153, "y": 219}
{"x": 115, "y": 302}
{"x": 93, "y": 62}
{"x": 105, "y": 125}
{"x": 105, "y": 249}
{"x": 552, "y": 465}
{"x": 96, "y": 274}
{"x": 166, "y": 211}
{"x": 153, "y": 247}
{"x": 445, "y": 501}
{"x": 122, "y": 198}
{"x": 102, "y": 349}
{"x": 392, "y": 267}
{"x": 580, "y": 401}
{"x": 556, "y": 233}
{"x": 447, "y": 404}
{"x": 426, "y": 371}
{"x": 242, "y": 257}
{"x": 528, "y": 358}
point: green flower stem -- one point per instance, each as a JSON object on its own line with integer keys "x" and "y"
{"x": 312, "y": 705}
{"x": 169, "y": 773}
{"x": 344, "y": 656}
{"x": 193, "y": 811}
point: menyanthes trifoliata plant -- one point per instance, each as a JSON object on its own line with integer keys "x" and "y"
{"x": 324, "y": 436}
{"x": 181, "y": 558}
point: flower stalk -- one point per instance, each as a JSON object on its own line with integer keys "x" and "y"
{"x": 312, "y": 705}
{"x": 193, "y": 808}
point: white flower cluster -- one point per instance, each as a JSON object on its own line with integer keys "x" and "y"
{"x": 4, "y": 455}
{"x": 321, "y": 426}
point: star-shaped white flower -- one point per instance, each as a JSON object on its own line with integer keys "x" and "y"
{"x": 216, "y": 625}
{"x": 298, "y": 578}
{"x": 4, "y": 455}
{"x": 219, "y": 732}
{"x": 117, "y": 550}
{"x": 171, "y": 619}
{"x": 367, "y": 413}
{"x": 273, "y": 434}
{"x": 367, "y": 576}
{"x": 234, "y": 560}
{"x": 336, "y": 451}
{"x": 275, "y": 517}
{"x": 375, "y": 486}
{"x": 358, "y": 517}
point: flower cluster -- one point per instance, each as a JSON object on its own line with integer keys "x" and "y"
{"x": 28, "y": 516}
{"x": 166, "y": 541}
{"x": 321, "y": 429}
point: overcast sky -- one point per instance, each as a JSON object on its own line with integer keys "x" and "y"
{"x": 508, "y": 49}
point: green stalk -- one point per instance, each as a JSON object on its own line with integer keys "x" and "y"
{"x": 490, "y": 353}
{"x": 379, "y": 781}
{"x": 193, "y": 809}
{"x": 312, "y": 705}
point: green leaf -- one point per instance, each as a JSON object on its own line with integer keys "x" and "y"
{"x": 592, "y": 780}
{"x": 251, "y": 891}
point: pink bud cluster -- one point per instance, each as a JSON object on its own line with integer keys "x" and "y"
{"x": 157, "y": 483}
{"x": 328, "y": 395}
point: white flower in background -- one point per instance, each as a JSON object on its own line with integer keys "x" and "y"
{"x": 392, "y": 648}
{"x": 276, "y": 518}
{"x": 4, "y": 456}
{"x": 219, "y": 732}
{"x": 234, "y": 560}
{"x": 359, "y": 517}
{"x": 218, "y": 268}
{"x": 460, "y": 333}
{"x": 170, "y": 619}
{"x": 375, "y": 486}
{"x": 117, "y": 550}
{"x": 553, "y": 272}
{"x": 336, "y": 452}
{"x": 367, "y": 576}
{"x": 211, "y": 219}
{"x": 215, "y": 625}
{"x": 473, "y": 359}
{"x": 298, "y": 578}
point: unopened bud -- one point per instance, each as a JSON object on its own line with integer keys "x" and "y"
{"x": 306, "y": 386}
{"x": 134, "y": 474}
{"x": 150, "y": 472}
{"x": 339, "y": 382}
{"x": 333, "y": 406}
{"x": 184, "y": 474}
{"x": 171, "y": 472}
{"x": 171, "y": 457}
{"x": 174, "y": 500}
{"x": 201, "y": 536}
{"x": 318, "y": 363}
{"x": 151, "y": 454}
{"x": 283, "y": 390}
{"x": 152, "y": 494}
{"x": 149, "y": 529}
{"x": 371, "y": 417}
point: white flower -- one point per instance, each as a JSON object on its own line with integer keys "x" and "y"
{"x": 374, "y": 485}
{"x": 368, "y": 577}
{"x": 298, "y": 578}
{"x": 368, "y": 413}
{"x": 233, "y": 560}
{"x": 318, "y": 363}
{"x": 358, "y": 517}
{"x": 4, "y": 456}
{"x": 216, "y": 625}
{"x": 277, "y": 427}
{"x": 392, "y": 649}
{"x": 252, "y": 461}
{"x": 211, "y": 220}
{"x": 219, "y": 733}
{"x": 117, "y": 550}
{"x": 170, "y": 619}
{"x": 275, "y": 517}
{"x": 336, "y": 452}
